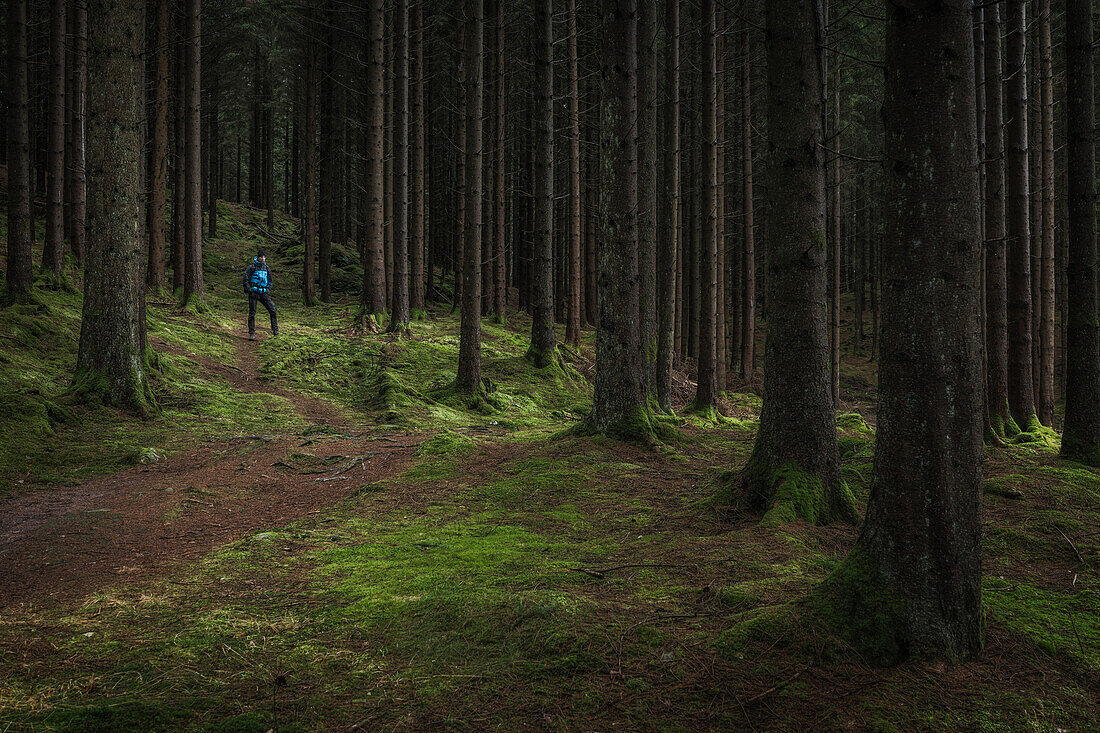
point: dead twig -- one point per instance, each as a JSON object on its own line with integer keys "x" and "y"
{"x": 600, "y": 572}
{"x": 1072, "y": 546}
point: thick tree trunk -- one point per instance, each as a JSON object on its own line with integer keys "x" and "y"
{"x": 706, "y": 391}
{"x": 193, "y": 286}
{"x": 417, "y": 185}
{"x": 1081, "y": 438}
{"x": 996, "y": 301}
{"x": 469, "y": 349}
{"x": 111, "y": 358}
{"x": 573, "y": 302}
{"x": 20, "y": 272}
{"x": 619, "y": 405}
{"x": 157, "y": 207}
{"x": 374, "y": 285}
{"x": 916, "y": 568}
{"x": 1021, "y": 398}
{"x": 399, "y": 305}
{"x": 748, "y": 244}
{"x": 647, "y": 187}
{"x": 309, "y": 162}
{"x": 795, "y": 467}
{"x": 1045, "y": 404}
{"x": 542, "y": 350}
{"x": 669, "y": 209}
{"x": 53, "y": 257}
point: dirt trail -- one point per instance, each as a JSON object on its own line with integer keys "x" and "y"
{"x": 58, "y": 543}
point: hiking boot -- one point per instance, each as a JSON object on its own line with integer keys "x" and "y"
{"x": 274, "y": 333}
{"x": 251, "y": 337}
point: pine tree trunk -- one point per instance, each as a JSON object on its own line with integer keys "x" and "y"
{"x": 669, "y": 209}
{"x": 20, "y": 273}
{"x": 619, "y": 404}
{"x": 541, "y": 352}
{"x": 193, "y": 286}
{"x": 1021, "y": 398}
{"x": 53, "y": 258}
{"x": 1045, "y": 404}
{"x": 179, "y": 167}
{"x": 708, "y": 246}
{"x": 916, "y": 567}
{"x": 469, "y": 350}
{"x": 794, "y": 469}
{"x": 720, "y": 300}
{"x": 111, "y": 357}
{"x": 996, "y": 300}
{"x": 573, "y": 302}
{"x": 309, "y": 160}
{"x": 498, "y": 253}
{"x": 460, "y": 183}
{"x": 78, "y": 94}
{"x": 647, "y": 186}
{"x": 157, "y": 206}
{"x": 374, "y": 287}
{"x": 214, "y": 157}
{"x": 1081, "y": 438}
{"x": 326, "y": 165}
{"x": 417, "y": 184}
{"x": 399, "y": 305}
{"x": 748, "y": 251}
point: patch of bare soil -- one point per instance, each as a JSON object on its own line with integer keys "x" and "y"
{"x": 58, "y": 543}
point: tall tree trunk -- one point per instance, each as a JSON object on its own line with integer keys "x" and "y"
{"x": 647, "y": 187}
{"x": 53, "y": 253}
{"x": 460, "y": 183}
{"x": 721, "y": 309}
{"x": 1021, "y": 398}
{"x": 498, "y": 250}
{"x": 326, "y": 185}
{"x": 619, "y": 406}
{"x": 374, "y": 287}
{"x": 573, "y": 302}
{"x": 541, "y": 352}
{"x": 111, "y": 357}
{"x": 417, "y": 186}
{"x": 309, "y": 160}
{"x": 1046, "y": 273}
{"x": 1081, "y": 438}
{"x": 748, "y": 251}
{"x": 157, "y": 207}
{"x": 996, "y": 301}
{"x": 214, "y": 158}
{"x": 469, "y": 349}
{"x": 706, "y": 391}
{"x": 193, "y": 286}
{"x": 916, "y": 567}
{"x": 179, "y": 167}
{"x": 669, "y": 209}
{"x": 78, "y": 94}
{"x": 795, "y": 464}
{"x": 399, "y": 305}
{"x": 20, "y": 272}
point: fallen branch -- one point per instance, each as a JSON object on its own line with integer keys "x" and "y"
{"x": 1072, "y": 546}
{"x": 772, "y": 689}
{"x": 599, "y": 572}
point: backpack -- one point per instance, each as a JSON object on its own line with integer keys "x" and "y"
{"x": 259, "y": 282}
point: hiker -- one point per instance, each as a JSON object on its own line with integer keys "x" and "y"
{"x": 257, "y": 283}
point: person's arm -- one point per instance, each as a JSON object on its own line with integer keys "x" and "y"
{"x": 246, "y": 281}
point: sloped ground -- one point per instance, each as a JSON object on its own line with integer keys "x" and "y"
{"x": 465, "y": 568}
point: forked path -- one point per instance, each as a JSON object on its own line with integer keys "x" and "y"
{"x": 59, "y": 543}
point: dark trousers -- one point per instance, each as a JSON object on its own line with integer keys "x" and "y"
{"x": 268, "y": 303}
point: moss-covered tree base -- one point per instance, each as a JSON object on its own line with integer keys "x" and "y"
{"x": 127, "y": 392}
{"x": 1037, "y": 433}
{"x": 1080, "y": 451}
{"x": 855, "y": 604}
{"x": 1002, "y": 424}
{"x": 786, "y": 493}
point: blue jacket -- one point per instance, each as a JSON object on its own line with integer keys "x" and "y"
{"x": 257, "y": 278}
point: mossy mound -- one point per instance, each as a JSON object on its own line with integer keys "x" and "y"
{"x": 446, "y": 443}
{"x": 853, "y": 422}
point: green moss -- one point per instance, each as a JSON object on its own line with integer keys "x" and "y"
{"x": 1002, "y": 424}
{"x": 856, "y": 605}
{"x": 788, "y": 492}
{"x": 446, "y": 443}
{"x": 853, "y": 422}
{"x": 1038, "y": 434}
{"x": 1080, "y": 451}
{"x": 1004, "y": 486}
{"x": 1061, "y": 624}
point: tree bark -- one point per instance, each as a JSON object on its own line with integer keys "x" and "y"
{"x": 669, "y": 210}
{"x": 916, "y": 567}
{"x": 619, "y": 405}
{"x": 1021, "y": 398}
{"x": 111, "y": 356}
{"x": 706, "y": 391}
{"x": 996, "y": 300}
{"x": 542, "y": 350}
{"x": 573, "y": 302}
{"x": 417, "y": 185}
{"x": 78, "y": 94}
{"x": 326, "y": 184}
{"x": 309, "y": 160}
{"x": 1045, "y": 404}
{"x": 499, "y": 259}
{"x": 748, "y": 251}
{"x": 469, "y": 350}
{"x": 1081, "y": 438}
{"x": 20, "y": 272}
{"x": 647, "y": 187}
{"x": 157, "y": 206}
{"x": 795, "y": 467}
{"x": 179, "y": 167}
{"x": 374, "y": 285}
{"x": 193, "y": 286}
{"x": 399, "y": 305}
{"x": 53, "y": 257}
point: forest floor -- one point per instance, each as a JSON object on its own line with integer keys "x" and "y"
{"x": 314, "y": 533}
